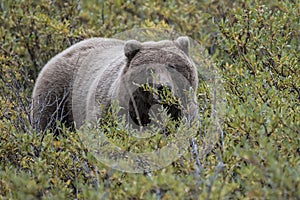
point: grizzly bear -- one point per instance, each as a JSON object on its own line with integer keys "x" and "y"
{"x": 77, "y": 84}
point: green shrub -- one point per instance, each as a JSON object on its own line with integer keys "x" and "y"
{"x": 255, "y": 45}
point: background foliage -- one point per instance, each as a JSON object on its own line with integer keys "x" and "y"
{"x": 255, "y": 44}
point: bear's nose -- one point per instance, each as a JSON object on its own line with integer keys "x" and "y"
{"x": 165, "y": 85}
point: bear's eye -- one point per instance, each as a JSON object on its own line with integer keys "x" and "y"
{"x": 171, "y": 68}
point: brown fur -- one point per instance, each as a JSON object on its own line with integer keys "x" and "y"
{"x": 96, "y": 66}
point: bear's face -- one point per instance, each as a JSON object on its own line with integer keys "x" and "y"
{"x": 154, "y": 85}
{"x": 171, "y": 54}
{"x": 160, "y": 65}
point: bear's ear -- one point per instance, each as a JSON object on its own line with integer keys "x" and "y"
{"x": 183, "y": 43}
{"x": 131, "y": 48}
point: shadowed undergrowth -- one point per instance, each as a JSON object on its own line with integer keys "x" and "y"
{"x": 254, "y": 44}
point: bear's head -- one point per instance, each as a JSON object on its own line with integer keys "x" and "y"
{"x": 166, "y": 67}
{"x": 174, "y": 54}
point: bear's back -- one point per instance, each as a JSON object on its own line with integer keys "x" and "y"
{"x": 95, "y": 75}
{"x": 58, "y": 75}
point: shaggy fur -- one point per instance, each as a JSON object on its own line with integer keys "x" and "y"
{"x": 96, "y": 67}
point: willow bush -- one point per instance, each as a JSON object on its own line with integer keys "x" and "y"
{"x": 255, "y": 44}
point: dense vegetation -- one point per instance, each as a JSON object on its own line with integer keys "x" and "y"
{"x": 254, "y": 44}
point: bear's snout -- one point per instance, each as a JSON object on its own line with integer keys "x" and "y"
{"x": 143, "y": 100}
{"x": 167, "y": 86}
